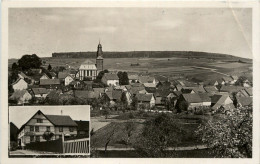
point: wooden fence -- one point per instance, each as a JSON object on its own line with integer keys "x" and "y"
{"x": 77, "y": 146}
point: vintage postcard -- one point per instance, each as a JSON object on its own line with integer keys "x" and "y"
{"x": 140, "y": 80}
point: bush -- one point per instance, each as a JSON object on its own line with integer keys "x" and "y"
{"x": 131, "y": 115}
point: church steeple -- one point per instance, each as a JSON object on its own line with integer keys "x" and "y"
{"x": 99, "y": 60}
{"x": 99, "y": 50}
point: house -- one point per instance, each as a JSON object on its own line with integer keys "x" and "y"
{"x": 195, "y": 100}
{"x": 83, "y": 128}
{"x": 227, "y": 79}
{"x": 235, "y": 78}
{"x": 149, "y": 85}
{"x": 146, "y": 79}
{"x": 247, "y": 92}
{"x": 88, "y": 85}
{"x": 40, "y": 92}
{"x": 110, "y": 79}
{"x": 231, "y": 89}
{"x": 133, "y": 78}
{"x": 219, "y": 100}
{"x": 45, "y": 76}
{"x": 211, "y": 89}
{"x": 113, "y": 96}
{"x": 23, "y": 76}
{"x": 40, "y": 124}
{"x": 214, "y": 83}
{"x": 20, "y": 84}
{"x": 85, "y": 95}
{"x": 187, "y": 90}
{"x": 99, "y": 91}
{"x": 77, "y": 84}
{"x": 244, "y": 101}
{"x": 196, "y": 89}
{"x": 52, "y": 75}
{"x": 20, "y": 97}
{"x": 147, "y": 100}
{"x": 120, "y": 87}
{"x": 65, "y": 77}
{"x": 50, "y": 83}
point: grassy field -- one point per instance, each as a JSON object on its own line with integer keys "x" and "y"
{"x": 170, "y": 67}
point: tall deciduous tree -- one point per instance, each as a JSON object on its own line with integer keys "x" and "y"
{"x": 123, "y": 78}
{"x": 29, "y": 61}
{"x": 159, "y": 134}
{"x": 230, "y": 135}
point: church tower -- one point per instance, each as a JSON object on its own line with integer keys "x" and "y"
{"x": 99, "y": 60}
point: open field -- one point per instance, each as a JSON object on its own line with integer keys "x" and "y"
{"x": 170, "y": 67}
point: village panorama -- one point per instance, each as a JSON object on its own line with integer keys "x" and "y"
{"x": 143, "y": 104}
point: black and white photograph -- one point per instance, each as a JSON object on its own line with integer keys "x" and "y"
{"x": 132, "y": 82}
{"x": 49, "y": 131}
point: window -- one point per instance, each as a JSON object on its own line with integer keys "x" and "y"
{"x": 37, "y": 138}
{"x": 31, "y": 138}
{"x": 37, "y": 128}
{"x": 71, "y": 129}
{"x": 60, "y": 129}
{"x": 31, "y": 128}
{"x": 39, "y": 120}
{"x": 48, "y": 128}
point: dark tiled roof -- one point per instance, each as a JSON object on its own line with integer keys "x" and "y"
{"x": 230, "y": 89}
{"x": 37, "y": 91}
{"x": 211, "y": 89}
{"x": 114, "y": 94}
{"x": 249, "y": 91}
{"x": 110, "y": 76}
{"x": 60, "y": 120}
{"x": 85, "y": 94}
{"x": 245, "y": 101}
{"x": 63, "y": 75}
{"x": 146, "y": 79}
{"x": 196, "y": 98}
{"x": 49, "y": 81}
{"x": 144, "y": 97}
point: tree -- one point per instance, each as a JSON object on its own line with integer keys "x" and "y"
{"x": 47, "y": 135}
{"x": 134, "y": 103}
{"x": 110, "y": 134}
{"x": 182, "y": 106}
{"x": 229, "y": 135}
{"x": 106, "y": 113}
{"x": 123, "y": 78}
{"x": 159, "y": 134}
{"x": 49, "y": 67}
{"x": 129, "y": 130}
{"x": 14, "y": 66}
{"x": 169, "y": 104}
{"x": 29, "y": 61}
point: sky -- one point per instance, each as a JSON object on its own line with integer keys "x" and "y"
{"x": 46, "y": 30}
{"x": 19, "y": 115}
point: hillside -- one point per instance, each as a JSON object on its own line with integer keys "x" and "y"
{"x": 148, "y": 54}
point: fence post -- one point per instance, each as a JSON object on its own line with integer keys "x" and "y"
{"x": 62, "y": 143}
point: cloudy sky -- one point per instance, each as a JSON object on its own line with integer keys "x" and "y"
{"x": 47, "y": 30}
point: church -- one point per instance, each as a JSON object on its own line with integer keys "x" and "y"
{"x": 88, "y": 69}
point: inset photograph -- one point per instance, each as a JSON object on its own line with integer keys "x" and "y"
{"x": 49, "y": 131}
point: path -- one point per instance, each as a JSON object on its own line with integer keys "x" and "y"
{"x": 28, "y": 152}
{"x": 211, "y": 69}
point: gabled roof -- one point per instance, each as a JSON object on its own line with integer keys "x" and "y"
{"x": 18, "y": 81}
{"x": 37, "y": 91}
{"x": 234, "y": 77}
{"x": 177, "y": 93}
{"x": 226, "y": 106}
{"x": 99, "y": 90}
{"x": 144, "y": 97}
{"x": 149, "y": 85}
{"x": 150, "y": 90}
{"x": 230, "y": 89}
{"x": 63, "y": 75}
{"x": 146, "y": 79}
{"x": 114, "y": 94}
{"x": 245, "y": 101}
{"x": 49, "y": 81}
{"x": 227, "y": 78}
{"x": 219, "y": 99}
{"x": 196, "y": 98}
{"x": 210, "y": 89}
{"x": 135, "y": 90}
{"x": 88, "y": 64}
{"x": 53, "y": 74}
{"x": 18, "y": 94}
{"x": 61, "y": 120}
{"x": 197, "y": 89}
{"x": 85, "y": 94}
{"x": 249, "y": 91}
{"x": 110, "y": 76}
{"x": 162, "y": 93}
{"x": 133, "y": 77}
{"x": 161, "y": 78}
